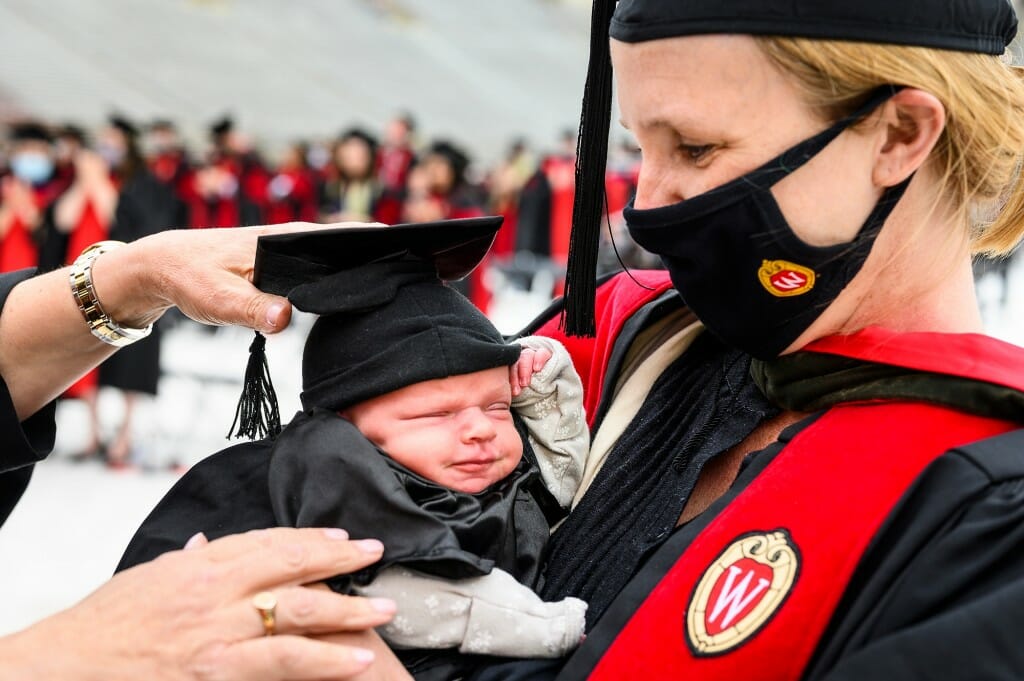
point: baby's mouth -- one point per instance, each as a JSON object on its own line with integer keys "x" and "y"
{"x": 474, "y": 464}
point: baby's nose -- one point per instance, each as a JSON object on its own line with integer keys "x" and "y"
{"x": 476, "y": 425}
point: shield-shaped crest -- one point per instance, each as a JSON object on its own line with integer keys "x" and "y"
{"x": 740, "y": 591}
{"x": 782, "y": 278}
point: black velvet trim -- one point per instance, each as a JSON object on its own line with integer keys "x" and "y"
{"x": 809, "y": 381}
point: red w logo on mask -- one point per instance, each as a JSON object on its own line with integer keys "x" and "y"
{"x": 783, "y": 278}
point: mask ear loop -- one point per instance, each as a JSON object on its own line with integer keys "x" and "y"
{"x": 611, "y": 237}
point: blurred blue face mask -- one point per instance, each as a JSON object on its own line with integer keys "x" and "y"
{"x": 111, "y": 154}
{"x": 32, "y": 167}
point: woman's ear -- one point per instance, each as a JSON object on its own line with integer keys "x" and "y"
{"x": 913, "y": 121}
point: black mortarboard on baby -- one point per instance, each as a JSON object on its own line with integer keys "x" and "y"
{"x": 985, "y": 26}
{"x": 387, "y": 320}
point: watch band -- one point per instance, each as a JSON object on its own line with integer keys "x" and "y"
{"x": 100, "y": 323}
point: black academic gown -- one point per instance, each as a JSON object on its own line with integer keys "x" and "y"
{"x": 939, "y": 592}
{"x": 322, "y": 472}
{"x": 145, "y": 206}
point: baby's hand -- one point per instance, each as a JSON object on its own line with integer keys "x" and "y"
{"x": 530, "y": 362}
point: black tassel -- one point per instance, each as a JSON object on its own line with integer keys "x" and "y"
{"x": 591, "y": 159}
{"x": 257, "y": 415}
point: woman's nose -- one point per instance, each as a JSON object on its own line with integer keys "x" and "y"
{"x": 656, "y": 187}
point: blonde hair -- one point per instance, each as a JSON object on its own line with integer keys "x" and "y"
{"x": 979, "y": 154}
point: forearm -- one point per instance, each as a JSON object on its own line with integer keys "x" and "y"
{"x": 45, "y": 344}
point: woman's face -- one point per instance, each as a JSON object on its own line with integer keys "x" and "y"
{"x": 354, "y": 158}
{"x": 707, "y": 109}
{"x": 440, "y": 173}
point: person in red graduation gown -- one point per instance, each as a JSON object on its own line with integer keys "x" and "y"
{"x": 291, "y": 191}
{"x": 351, "y": 190}
{"x": 231, "y": 189}
{"x": 25, "y": 194}
{"x": 439, "y": 189}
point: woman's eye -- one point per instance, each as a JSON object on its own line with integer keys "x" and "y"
{"x": 695, "y": 152}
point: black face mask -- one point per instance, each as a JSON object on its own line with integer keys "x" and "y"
{"x": 737, "y": 263}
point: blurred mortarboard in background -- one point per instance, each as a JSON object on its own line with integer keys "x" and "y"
{"x": 123, "y": 124}
{"x": 29, "y": 131}
{"x": 387, "y": 317}
{"x": 985, "y": 26}
{"x": 72, "y": 131}
{"x": 221, "y": 126}
{"x": 359, "y": 134}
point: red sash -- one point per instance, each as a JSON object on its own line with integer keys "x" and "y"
{"x": 751, "y": 596}
{"x": 89, "y": 230}
{"x": 617, "y": 300}
{"x": 18, "y": 250}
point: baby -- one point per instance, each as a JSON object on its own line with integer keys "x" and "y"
{"x": 421, "y": 427}
{"x": 437, "y": 470}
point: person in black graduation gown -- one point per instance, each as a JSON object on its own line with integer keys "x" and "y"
{"x": 144, "y": 206}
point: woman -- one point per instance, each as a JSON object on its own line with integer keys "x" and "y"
{"x": 25, "y": 194}
{"x": 351, "y": 190}
{"x": 816, "y": 188}
{"x": 204, "y": 612}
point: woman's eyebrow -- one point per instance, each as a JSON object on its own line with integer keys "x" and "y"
{"x": 682, "y": 125}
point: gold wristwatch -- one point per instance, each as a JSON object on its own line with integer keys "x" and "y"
{"x": 100, "y": 323}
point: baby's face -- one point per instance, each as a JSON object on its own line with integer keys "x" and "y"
{"x": 455, "y": 431}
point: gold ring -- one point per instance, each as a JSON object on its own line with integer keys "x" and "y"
{"x": 266, "y": 604}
